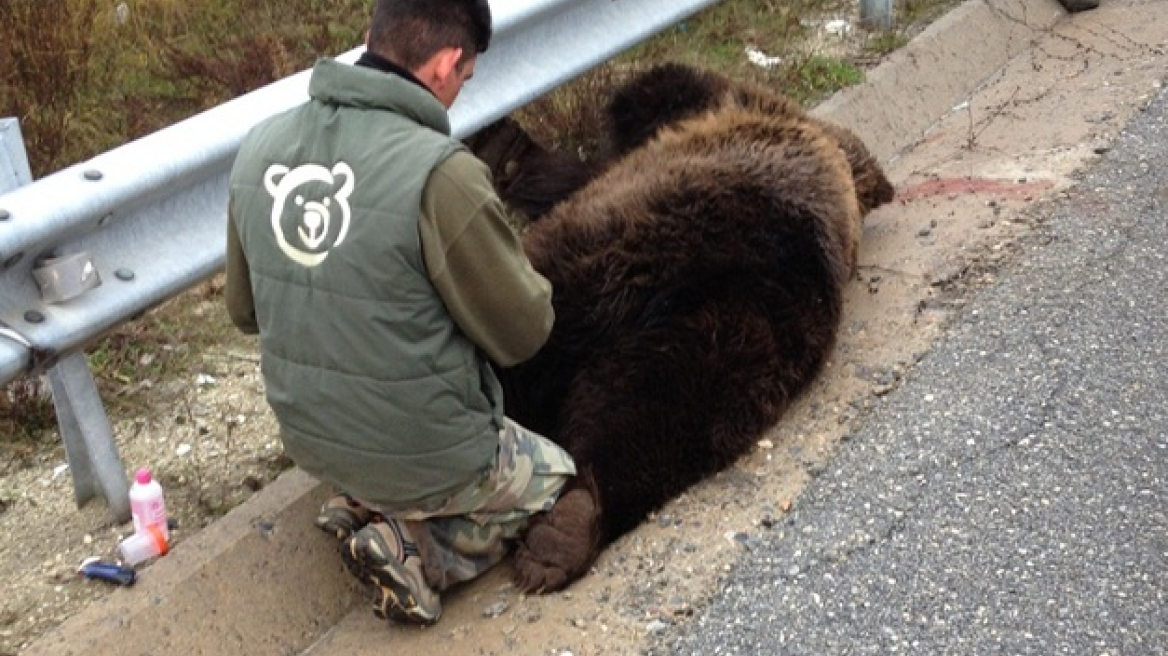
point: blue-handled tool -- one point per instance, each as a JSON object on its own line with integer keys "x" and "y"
{"x": 94, "y": 568}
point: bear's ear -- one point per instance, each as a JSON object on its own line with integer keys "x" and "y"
{"x": 272, "y": 178}
{"x": 343, "y": 169}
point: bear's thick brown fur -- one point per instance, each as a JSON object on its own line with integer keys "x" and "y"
{"x": 698, "y": 286}
{"x": 671, "y": 92}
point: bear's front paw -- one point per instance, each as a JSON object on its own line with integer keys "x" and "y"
{"x": 560, "y": 546}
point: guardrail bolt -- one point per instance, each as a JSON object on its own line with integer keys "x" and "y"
{"x": 104, "y": 221}
{"x": 5, "y": 215}
{"x": 124, "y": 274}
{"x": 34, "y": 316}
{"x": 93, "y": 174}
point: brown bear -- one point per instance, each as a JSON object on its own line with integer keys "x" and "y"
{"x": 698, "y": 283}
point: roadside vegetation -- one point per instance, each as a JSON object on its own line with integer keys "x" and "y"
{"x": 84, "y": 76}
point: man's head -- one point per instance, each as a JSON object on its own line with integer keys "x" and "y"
{"x": 436, "y": 40}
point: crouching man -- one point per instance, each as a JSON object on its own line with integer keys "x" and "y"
{"x": 369, "y": 251}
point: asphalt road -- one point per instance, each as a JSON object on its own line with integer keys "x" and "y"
{"x": 1012, "y": 496}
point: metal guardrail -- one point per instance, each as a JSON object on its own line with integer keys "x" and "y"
{"x": 118, "y": 234}
{"x": 90, "y": 447}
{"x": 14, "y": 173}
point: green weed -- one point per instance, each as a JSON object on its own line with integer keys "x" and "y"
{"x": 812, "y": 78}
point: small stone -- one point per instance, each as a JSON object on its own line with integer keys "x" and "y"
{"x": 496, "y": 609}
{"x": 838, "y": 27}
{"x": 738, "y": 538}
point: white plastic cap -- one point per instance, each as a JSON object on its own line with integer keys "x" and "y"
{"x": 143, "y": 546}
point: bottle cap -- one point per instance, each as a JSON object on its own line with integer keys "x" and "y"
{"x": 143, "y": 476}
{"x": 143, "y": 546}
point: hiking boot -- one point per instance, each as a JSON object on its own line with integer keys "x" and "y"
{"x": 342, "y": 516}
{"x": 383, "y": 554}
{"x": 1079, "y": 5}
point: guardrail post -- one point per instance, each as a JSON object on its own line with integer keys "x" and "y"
{"x": 14, "y": 170}
{"x": 876, "y": 13}
{"x": 89, "y": 440}
{"x": 90, "y": 449}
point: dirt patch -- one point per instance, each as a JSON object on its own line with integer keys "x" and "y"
{"x": 970, "y": 194}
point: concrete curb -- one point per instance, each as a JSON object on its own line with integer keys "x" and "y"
{"x": 920, "y": 83}
{"x": 262, "y": 556}
{"x": 257, "y": 561}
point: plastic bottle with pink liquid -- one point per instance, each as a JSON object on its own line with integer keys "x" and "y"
{"x": 147, "y": 506}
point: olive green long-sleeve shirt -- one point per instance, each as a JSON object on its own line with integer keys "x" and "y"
{"x": 476, "y": 263}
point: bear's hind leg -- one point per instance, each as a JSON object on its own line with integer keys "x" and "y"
{"x": 559, "y": 546}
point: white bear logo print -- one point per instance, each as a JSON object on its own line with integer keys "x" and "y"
{"x": 317, "y": 209}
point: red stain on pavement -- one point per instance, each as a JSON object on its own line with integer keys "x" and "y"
{"x": 962, "y": 186}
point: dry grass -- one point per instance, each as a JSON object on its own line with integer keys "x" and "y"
{"x": 84, "y": 76}
{"x": 48, "y": 50}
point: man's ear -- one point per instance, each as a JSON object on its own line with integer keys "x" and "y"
{"x": 446, "y": 64}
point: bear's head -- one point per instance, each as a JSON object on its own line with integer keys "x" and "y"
{"x": 530, "y": 178}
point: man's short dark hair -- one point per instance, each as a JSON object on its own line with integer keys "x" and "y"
{"x": 410, "y": 32}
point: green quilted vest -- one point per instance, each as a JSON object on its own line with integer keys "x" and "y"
{"x": 374, "y": 387}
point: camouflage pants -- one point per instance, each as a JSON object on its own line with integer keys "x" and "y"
{"x": 463, "y": 535}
